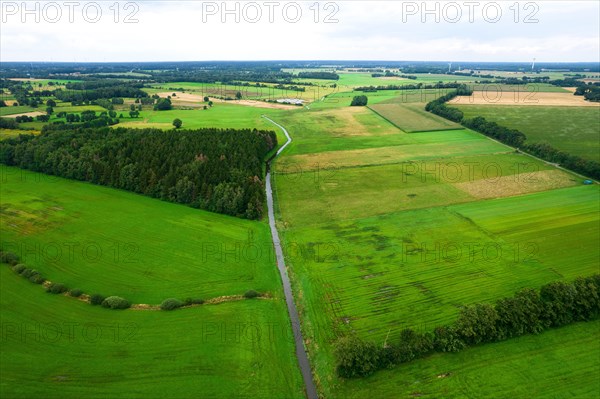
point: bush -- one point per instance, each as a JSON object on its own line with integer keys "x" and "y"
{"x": 96, "y": 299}
{"x": 171, "y": 304}
{"x": 446, "y": 340}
{"x": 19, "y": 268}
{"x": 27, "y": 272}
{"x": 356, "y": 358}
{"x": 115, "y": 302}
{"x": 76, "y": 292}
{"x": 9, "y": 257}
{"x": 359, "y": 101}
{"x": 252, "y": 294}
{"x": 37, "y": 278}
{"x": 193, "y": 301}
{"x": 56, "y": 288}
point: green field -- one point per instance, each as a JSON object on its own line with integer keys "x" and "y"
{"x": 117, "y": 243}
{"x": 412, "y": 117}
{"x": 384, "y": 238}
{"x": 54, "y": 347}
{"x": 575, "y": 130}
{"x": 389, "y": 217}
{"x": 21, "y": 109}
{"x": 561, "y": 363}
{"x": 220, "y": 115}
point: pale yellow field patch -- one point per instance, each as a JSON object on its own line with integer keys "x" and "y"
{"x": 522, "y": 98}
{"x": 32, "y": 114}
{"x": 189, "y": 99}
{"x": 524, "y": 183}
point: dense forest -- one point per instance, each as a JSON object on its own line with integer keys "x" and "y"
{"x": 212, "y": 169}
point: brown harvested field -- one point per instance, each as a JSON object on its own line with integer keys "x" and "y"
{"x": 197, "y": 100}
{"x": 32, "y": 114}
{"x": 524, "y": 183}
{"x": 182, "y": 97}
{"x": 520, "y": 98}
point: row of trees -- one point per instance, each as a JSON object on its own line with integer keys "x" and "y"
{"x": 319, "y": 75}
{"x": 416, "y": 86}
{"x": 213, "y": 169}
{"x": 513, "y": 137}
{"x": 439, "y": 107}
{"x": 527, "y": 312}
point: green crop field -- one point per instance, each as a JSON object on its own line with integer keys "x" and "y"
{"x": 412, "y": 118}
{"x": 157, "y": 250}
{"x": 220, "y": 115}
{"x": 57, "y": 347}
{"x": 560, "y": 363}
{"x": 575, "y": 130}
{"x": 7, "y": 111}
{"x": 389, "y": 237}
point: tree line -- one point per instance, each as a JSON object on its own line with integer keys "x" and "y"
{"x": 218, "y": 170}
{"x": 319, "y": 75}
{"x": 527, "y": 312}
{"x": 416, "y": 86}
{"x": 513, "y": 137}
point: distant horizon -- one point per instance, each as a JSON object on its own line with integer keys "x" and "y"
{"x": 526, "y": 62}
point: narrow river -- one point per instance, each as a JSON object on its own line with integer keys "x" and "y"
{"x": 311, "y": 390}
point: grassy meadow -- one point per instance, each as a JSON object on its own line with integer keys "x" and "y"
{"x": 575, "y": 130}
{"x": 405, "y": 232}
{"x": 56, "y": 347}
{"x": 113, "y": 242}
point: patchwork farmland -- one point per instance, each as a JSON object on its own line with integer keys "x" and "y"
{"x": 394, "y": 223}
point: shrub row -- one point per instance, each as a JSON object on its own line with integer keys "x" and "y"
{"x": 513, "y": 137}
{"x": 111, "y": 302}
{"x": 527, "y": 312}
{"x": 31, "y": 274}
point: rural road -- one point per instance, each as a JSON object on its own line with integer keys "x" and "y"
{"x": 311, "y": 390}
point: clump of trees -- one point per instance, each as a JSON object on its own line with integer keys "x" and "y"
{"x": 359, "y": 101}
{"x": 163, "y": 104}
{"x": 527, "y": 312}
{"x": 213, "y": 169}
{"x": 589, "y": 92}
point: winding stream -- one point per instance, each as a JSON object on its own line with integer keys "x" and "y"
{"x": 311, "y": 390}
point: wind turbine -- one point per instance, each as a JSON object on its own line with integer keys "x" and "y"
{"x": 533, "y": 64}
{"x": 449, "y": 67}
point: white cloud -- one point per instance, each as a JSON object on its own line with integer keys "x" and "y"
{"x": 566, "y": 31}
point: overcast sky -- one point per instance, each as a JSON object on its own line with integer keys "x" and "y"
{"x": 85, "y": 31}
